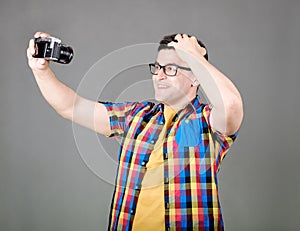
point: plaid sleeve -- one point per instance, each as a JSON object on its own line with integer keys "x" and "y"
{"x": 221, "y": 142}
{"x": 119, "y": 116}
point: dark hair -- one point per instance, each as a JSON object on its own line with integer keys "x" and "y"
{"x": 163, "y": 44}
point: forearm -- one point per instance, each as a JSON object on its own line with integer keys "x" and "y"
{"x": 70, "y": 105}
{"x": 219, "y": 89}
{"x": 57, "y": 94}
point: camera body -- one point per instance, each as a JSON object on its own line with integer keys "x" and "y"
{"x": 51, "y": 48}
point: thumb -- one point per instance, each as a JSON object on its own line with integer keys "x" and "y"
{"x": 42, "y": 61}
{"x": 172, "y": 44}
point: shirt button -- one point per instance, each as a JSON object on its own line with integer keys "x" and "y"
{"x": 175, "y": 118}
{"x": 131, "y": 211}
{"x": 161, "y": 122}
{"x": 166, "y": 156}
{"x": 152, "y": 141}
{"x": 167, "y": 205}
{"x": 166, "y": 180}
{"x": 143, "y": 163}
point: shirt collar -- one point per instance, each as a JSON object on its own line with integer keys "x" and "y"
{"x": 191, "y": 107}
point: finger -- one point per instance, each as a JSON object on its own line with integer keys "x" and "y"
{"x": 42, "y": 61}
{"x": 184, "y": 36}
{"x": 172, "y": 44}
{"x": 29, "y": 55}
{"x": 194, "y": 38}
{"x": 41, "y": 34}
{"x": 31, "y": 46}
{"x": 37, "y": 34}
{"x": 178, "y": 37}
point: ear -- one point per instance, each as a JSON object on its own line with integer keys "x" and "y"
{"x": 195, "y": 83}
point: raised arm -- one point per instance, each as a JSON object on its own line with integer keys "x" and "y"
{"x": 227, "y": 111}
{"x": 63, "y": 99}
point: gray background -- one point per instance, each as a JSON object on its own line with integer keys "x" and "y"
{"x": 44, "y": 183}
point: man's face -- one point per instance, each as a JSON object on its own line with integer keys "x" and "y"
{"x": 175, "y": 91}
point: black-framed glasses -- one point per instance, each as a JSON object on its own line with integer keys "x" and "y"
{"x": 169, "y": 69}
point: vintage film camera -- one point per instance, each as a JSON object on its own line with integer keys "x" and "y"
{"x": 51, "y": 48}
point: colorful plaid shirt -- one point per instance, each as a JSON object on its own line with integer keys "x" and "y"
{"x": 192, "y": 152}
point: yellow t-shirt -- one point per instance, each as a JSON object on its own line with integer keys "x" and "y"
{"x": 150, "y": 210}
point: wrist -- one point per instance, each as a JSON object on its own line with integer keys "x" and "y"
{"x": 42, "y": 73}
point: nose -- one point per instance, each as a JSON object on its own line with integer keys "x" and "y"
{"x": 161, "y": 74}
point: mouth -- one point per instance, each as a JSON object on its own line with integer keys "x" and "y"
{"x": 162, "y": 86}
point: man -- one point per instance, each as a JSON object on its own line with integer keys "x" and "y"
{"x": 170, "y": 151}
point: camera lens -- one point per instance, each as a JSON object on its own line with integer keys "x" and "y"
{"x": 66, "y": 54}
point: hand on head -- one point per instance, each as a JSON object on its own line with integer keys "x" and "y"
{"x": 187, "y": 46}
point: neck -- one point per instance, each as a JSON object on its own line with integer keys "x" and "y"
{"x": 178, "y": 105}
{"x": 175, "y": 106}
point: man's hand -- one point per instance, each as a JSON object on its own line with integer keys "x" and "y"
{"x": 187, "y": 47}
{"x": 36, "y": 64}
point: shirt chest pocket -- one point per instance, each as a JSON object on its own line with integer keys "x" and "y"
{"x": 189, "y": 133}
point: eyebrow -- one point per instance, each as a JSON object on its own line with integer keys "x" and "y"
{"x": 173, "y": 64}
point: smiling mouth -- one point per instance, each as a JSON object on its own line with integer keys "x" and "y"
{"x": 162, "y": 86}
